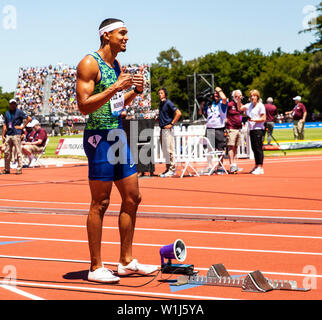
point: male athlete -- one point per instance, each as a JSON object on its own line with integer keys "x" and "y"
{"x": 100, "y": 85}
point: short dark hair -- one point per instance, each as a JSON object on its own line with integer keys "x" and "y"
{"x": 106, "y": 23}
{"x": 165, "y": 90}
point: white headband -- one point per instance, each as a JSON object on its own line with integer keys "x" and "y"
{"x": 111, "y": 27}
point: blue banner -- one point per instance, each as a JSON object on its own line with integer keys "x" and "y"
{"x": 308, "y": 125}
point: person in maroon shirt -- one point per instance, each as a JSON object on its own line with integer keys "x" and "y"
{"x": 233, "y": 127}
{"x": 37, "y": 144}
{"x": 271, "y": 114}
{"x": 29, "y": 133}
{"x": 299, "y": 114}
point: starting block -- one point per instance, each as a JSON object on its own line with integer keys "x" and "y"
{"x": 255, "y": 282}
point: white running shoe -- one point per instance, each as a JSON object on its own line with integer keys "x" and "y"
{"x": 135, "y": 268}
{"x": 169, "y": 174}
{"x": 259, "y": 171}
{"x": 103, "y": 275}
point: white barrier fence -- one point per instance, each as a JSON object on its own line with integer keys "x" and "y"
{"x": 191, "y": 136}
{"x": 187, "y": 145}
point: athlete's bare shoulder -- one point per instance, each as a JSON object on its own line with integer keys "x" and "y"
{"x": 87, "y": 69}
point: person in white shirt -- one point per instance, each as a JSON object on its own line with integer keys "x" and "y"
{"x": 256, "y": 114}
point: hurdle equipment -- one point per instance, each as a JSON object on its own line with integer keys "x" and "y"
{"x": 255, "y": 282}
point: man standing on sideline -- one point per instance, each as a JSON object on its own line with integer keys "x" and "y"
{"x": 169, "y": 115}
{"x": 12, "y": 131}
{"x": 101, "y": 86}
{"x": 271, "y": 114}
{"x": 299, "y": 114}
{"x": 216, "y": 112}
{"x": 233, "y": 127}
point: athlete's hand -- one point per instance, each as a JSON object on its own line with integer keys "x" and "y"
{"x": 125, "y": 80}
{"x": 138, "y": 80}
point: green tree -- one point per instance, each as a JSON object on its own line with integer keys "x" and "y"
{"x": 315, "y": 26}
{"x": 284, "y": 77}
{"x": 315, "y": 81}
{"x": 5, "y": 97}
{"x": 169, "y": 58}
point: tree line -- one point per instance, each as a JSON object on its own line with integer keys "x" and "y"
{"x": 279, "y": 75}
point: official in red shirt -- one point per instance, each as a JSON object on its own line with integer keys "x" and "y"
{"x": 271, "y": 114}
{"x": 29, "y": 133}
{"x": 299, "y": 114}
{"x": 37, "y": 144}
{"x": 233, "y": 127}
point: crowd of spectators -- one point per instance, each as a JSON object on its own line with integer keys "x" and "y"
{"x": 30, "y": 89}
{"x": 63, "y": 92}
{"x": 32, "y": 82}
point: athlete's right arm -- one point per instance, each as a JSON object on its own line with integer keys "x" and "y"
{"x": 87, "y": 72}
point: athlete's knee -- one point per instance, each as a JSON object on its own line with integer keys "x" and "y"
{"x": 133, "y": 201}
{"x": 99, "y": 206}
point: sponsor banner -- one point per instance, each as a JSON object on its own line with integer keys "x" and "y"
{"x": 308, "y": 125}
{"x": 70, "y": 147}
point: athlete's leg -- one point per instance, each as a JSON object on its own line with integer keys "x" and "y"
{"x": 100, "y": 201}
{"x": 131, "y": 198}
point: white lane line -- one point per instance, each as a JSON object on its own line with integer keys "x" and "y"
{"x": 290, "y": 160}
{"x": 115, "y": 264}
{"x": 161, "y": 245}
{"x": 168, "y": 230}
{"x": 167, "y": 207}
{"x": 98, "y": 290}
{"x": 19, "y": 292}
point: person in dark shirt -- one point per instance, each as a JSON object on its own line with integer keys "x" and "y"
{"x": 169, "y": 115}
{"x": 12, "y": 130}
{"x": 233, "y": 127}
{"x": 299, "y": 114}
{"x": 271, "y": 114}
{"x": 70, "y": 126}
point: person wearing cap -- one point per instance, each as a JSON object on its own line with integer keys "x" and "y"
{"x": 299, "y": 114}
{"x": 271, "y": 114}
{"x": 29, "y": 133}
{"x": 12, "y": 130}
{"x": 37, "y": 143}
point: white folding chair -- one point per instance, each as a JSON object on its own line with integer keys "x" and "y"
{"x": 216, "y": 156}
{"x": 187, "y": 156}
{"x": 38, "y": 162}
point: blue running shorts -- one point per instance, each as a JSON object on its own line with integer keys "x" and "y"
{"x": 109, "y": 155}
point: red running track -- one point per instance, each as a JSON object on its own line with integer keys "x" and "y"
{"x": 290, "y": 188}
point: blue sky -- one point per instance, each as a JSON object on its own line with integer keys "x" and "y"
{"x": 51, "y": 31}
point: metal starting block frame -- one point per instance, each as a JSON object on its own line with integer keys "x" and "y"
{"x": 255, "y": 282}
